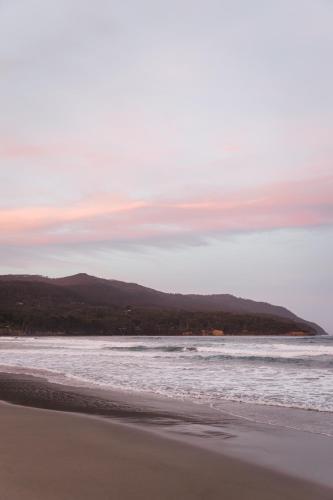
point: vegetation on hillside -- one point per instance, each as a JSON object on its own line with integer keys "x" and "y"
{"x": 34, "y": 307}
{"x": 99, "y": 320}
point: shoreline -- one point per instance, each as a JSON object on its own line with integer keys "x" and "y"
{"x": 60, "y": 456}
{"x": 269, "y": 450}
{"x": 40, "y": 333}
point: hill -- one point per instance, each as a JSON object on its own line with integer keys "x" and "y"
{"x": 83, "y": 304}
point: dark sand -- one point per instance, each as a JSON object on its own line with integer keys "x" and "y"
{"x": 54, "y": 455}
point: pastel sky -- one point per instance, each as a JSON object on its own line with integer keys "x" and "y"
{"x": 184, "y": 145}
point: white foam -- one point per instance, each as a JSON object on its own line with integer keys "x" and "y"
{"x": 191, "y": 372}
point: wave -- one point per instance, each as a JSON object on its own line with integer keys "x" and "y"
{"x": 320, "y": 361}
{"x": 144, "y": 348}
{"x": 209, "y": 354}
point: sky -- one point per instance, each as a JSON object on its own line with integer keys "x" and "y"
{"x": 184, "y": 145}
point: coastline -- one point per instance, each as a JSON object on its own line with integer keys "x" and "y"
{"x": 218, "y": 453}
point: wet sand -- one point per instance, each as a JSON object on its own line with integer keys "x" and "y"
{"x": 50, "y": 455}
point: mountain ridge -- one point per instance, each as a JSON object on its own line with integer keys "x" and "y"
{"x": 94, "y": 292}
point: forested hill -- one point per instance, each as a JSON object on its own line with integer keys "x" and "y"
{"x": 83, "y": 304}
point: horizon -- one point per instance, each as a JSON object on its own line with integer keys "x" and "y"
{"x": 184, "y": 147}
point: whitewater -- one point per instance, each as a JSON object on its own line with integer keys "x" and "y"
{"x": 263, "y": 371}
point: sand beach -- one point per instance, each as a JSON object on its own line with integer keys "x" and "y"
{"x": 70, "y": 443}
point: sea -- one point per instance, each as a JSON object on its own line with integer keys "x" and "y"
{"x": 254, "y": 377}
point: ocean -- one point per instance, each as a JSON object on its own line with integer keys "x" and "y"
{"x": 264, "y": 372}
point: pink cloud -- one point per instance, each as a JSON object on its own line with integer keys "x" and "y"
{"x": 12, "y": 150}
{"x": 86, "y": 154}
{"x": 111, "y": 219}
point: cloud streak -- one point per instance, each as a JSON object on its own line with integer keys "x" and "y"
{"x": 113, "y": 219}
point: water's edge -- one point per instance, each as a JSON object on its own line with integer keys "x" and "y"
{"x": 257, "y": 379}
{"x": 288, "y": 451}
